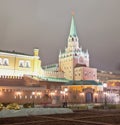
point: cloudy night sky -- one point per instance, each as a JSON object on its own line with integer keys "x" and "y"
{"x": 45, "y": 24}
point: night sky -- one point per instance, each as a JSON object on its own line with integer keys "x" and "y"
{"x": 45, "y": 24}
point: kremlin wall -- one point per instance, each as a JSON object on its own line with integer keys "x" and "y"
{"x": 23, "y": 79}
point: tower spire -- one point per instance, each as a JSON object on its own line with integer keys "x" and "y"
{"x": 73, "y": 27}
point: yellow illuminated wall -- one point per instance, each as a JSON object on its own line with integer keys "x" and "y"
{"x": 66, "y": 65}
{"x": 18, "y": 64}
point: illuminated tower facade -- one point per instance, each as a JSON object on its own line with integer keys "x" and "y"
{"x": 74, "y": 57}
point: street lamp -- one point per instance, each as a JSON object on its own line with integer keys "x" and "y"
{"x": 65, "y": 96}
{"x": 82, "y": 97}
{"x": 105, "y": 94}
{"x": 95, "y": 96}
{"x": 33, "y": 94}
{"x": 66, "y": 90}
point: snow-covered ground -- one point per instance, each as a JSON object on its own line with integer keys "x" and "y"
{"x": 33, "y": 111}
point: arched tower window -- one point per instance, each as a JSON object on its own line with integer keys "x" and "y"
{"x": 5, "y": 62}
{"x": 75, "y": 54}
{"x": 72, "y": 39}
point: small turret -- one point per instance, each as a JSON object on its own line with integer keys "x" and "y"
{"x": 87, "y": 53}
{"x": 36, "y": 52}
{"x": 60, "y": 53}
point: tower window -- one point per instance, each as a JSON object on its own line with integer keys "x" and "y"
{"x": 75, "y": 54}
{"x": 72, "y": 39}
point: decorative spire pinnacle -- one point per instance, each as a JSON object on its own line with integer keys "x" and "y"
{"x": 73, "y": 27}
{"x": 60, "y": 52}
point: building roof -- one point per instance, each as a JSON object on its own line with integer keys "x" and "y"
{"x": 51, "y": 79}
{"x": 71, "y": 82}
{"x": 51, "y": 67}
{"x": 14, "y": 52}
{"x": 84, "y": 82}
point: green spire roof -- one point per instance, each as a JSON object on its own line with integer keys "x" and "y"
{"x": 73, "y": 28}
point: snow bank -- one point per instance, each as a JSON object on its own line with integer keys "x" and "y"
{"x": 33, "y": 111}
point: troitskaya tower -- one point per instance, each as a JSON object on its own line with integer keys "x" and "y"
{"x": 73, "y": 54}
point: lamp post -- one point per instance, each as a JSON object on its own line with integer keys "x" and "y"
{"x": 18, "y": 96}
{"x": 33, "y": 94}
{"x": 82, "y": 97}
{"x": 65, "y": 93}
{"x": 96, "y": 97}
{"x": 105, "y": 95}
{"x": 64, "y": 96}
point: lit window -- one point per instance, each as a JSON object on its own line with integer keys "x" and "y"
{"x": 27, "y": 64}
{"x": 26, "y": 97}
{"x": 0, "y": 61}
{"x": 21, "y": 63}
{"x": 20, "y": 97}
{"x": 5, "y": 62}
{"x": 9, "y": 90}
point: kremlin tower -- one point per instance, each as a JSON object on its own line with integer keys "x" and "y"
{"x": 74, "y": 57}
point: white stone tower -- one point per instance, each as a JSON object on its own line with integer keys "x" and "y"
{"x": 73, "y": 54}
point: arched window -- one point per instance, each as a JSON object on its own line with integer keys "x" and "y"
{"x": 27, "y": 64}
{"x": 5, "y": 62}
{"x": 72, "y": 39}
{"x": 75, "y": 54}
{"x": 0, "y": 61}
{"x": 21, "y": 63}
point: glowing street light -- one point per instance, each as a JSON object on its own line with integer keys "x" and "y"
{"x": 82, "y": 94}
{"x": 33, "y": 93}
{"x": 105, "y": 94}
{"x": 95, "y": 96}
{"x": 66, "y": 89}
{"x": 105, "y": 85}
